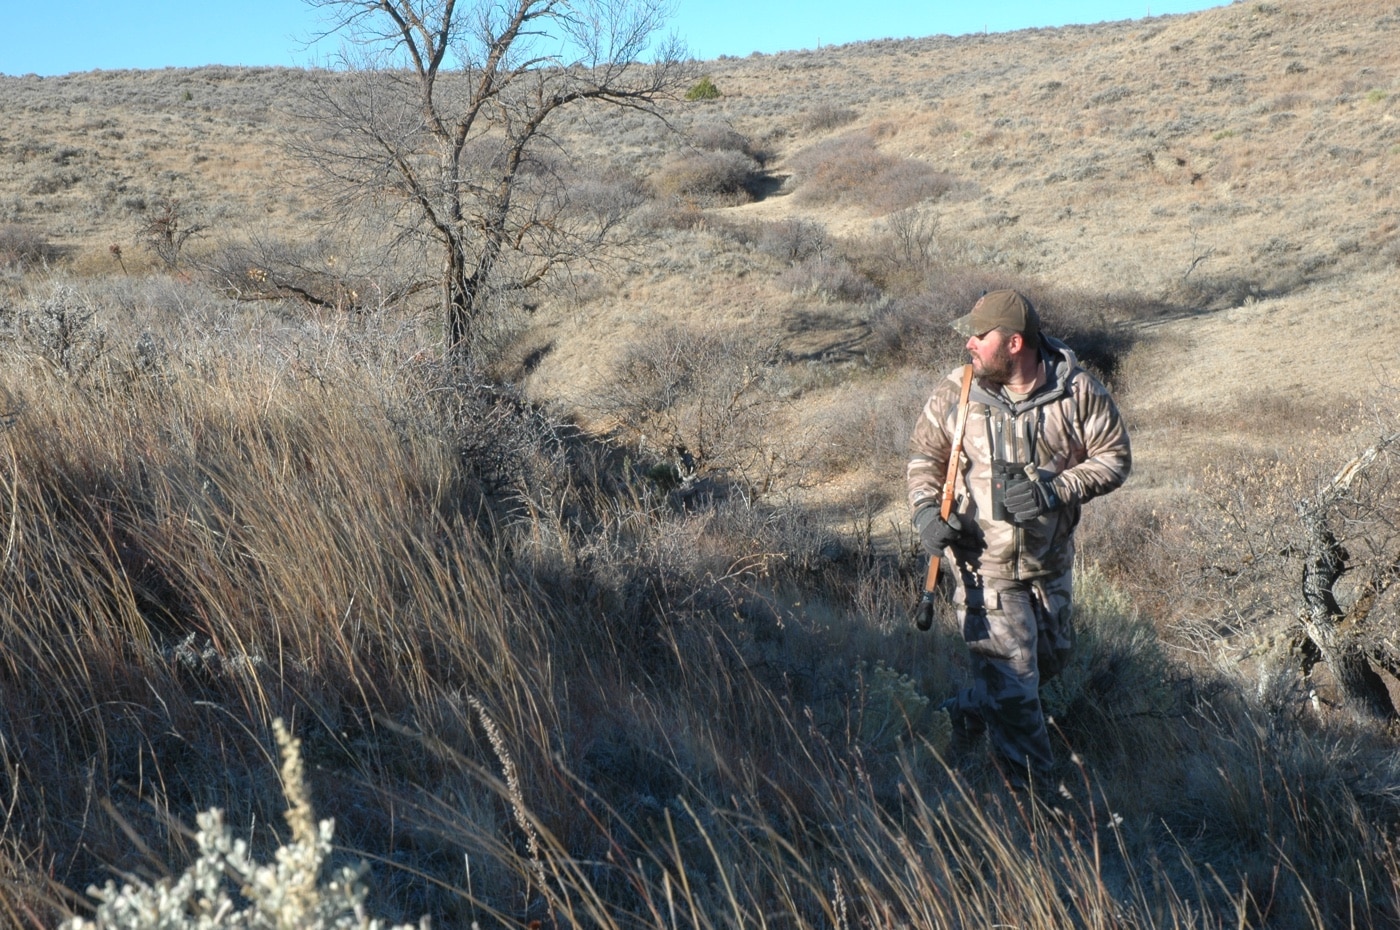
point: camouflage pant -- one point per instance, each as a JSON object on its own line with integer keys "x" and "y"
{"x": 1020, "y": 634}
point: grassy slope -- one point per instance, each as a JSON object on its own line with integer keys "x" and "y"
{"x": 1252, "y": 146}
{"x": 1235, "y": 166}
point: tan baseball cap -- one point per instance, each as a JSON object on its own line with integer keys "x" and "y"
{"x": 1007, "y": 308}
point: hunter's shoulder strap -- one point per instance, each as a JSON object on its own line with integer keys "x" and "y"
{"x": 960, "y": 424}
{"x": 950, "y": 480}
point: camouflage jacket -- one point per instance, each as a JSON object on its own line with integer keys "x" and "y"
{"x": 1070, "y": 428}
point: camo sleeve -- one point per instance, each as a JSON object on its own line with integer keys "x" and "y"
{"x": 930, "y": 445}
{"x": 1107, "y": 452}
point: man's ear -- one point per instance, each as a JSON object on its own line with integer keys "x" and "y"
{"x": 1015, "y": 343}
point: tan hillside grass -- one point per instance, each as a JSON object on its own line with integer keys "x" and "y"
{"x": 614, "y": 630}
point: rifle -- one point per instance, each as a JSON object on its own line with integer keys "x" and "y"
{"x": 922, "y": 614}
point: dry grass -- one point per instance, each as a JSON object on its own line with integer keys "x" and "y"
{"x": 317, "y": 526}
{"x": 540, "y": 675}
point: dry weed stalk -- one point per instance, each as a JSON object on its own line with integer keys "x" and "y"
{"x": 514, "y": 794}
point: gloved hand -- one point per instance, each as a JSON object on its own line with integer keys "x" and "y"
{"x": 1028, "y": 498}
{"x": 934, "y": 532}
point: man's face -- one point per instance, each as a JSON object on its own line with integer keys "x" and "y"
{"x": 991, "y": 355}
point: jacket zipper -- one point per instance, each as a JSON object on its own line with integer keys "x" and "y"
{"x": 1011, "y": 439}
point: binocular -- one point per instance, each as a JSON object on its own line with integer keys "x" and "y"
{"x": 1001, "y": 471}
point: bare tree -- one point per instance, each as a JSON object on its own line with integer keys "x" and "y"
{"x": 1300, "y": 558}
{"x": 442, "y": 125}
{"x": 167, "y": 229}
{"x": 1350, "y": 526}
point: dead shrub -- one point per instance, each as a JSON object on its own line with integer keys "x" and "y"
{"x": 718, "y": 177}
{"x": 792, "y": 240}
{"x": 916, "y": 330}
{"x": 26, "y": 247}
{"x": 703, "y": 406}
{"x": 828, "y": 116}
{"x": 850, "y": 169}
{"x": 168, "y": 228}
{"x": 788, "y": 240}
{"x": 914, "y": 236}
{"x": 909, "y": 244}
{"x": 829, "y": 280}
{"x": 316, "y": 272}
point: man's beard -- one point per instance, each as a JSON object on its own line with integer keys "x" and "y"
{"x": 996, "y": 369}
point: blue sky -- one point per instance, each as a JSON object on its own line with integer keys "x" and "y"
{"x": 59, "y": 36}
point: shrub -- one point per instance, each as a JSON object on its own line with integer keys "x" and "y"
{"x": 1390, "y": 252}
{"x": 851, "y": 170}
{"x": 26, "y": 247}
{"x": 791, "y": 240}
{"x": 720, "y": 137}
{"x": 1090, "y": 324}
{"x": 907, "y": 247}
{"x": 287, "y": 893}
{"x": 1094, "y": 325}
{"x": 704, "y": 89}
{"x": 716, "y": 137}
{"x": 706, "y": 404}
{"x": 605, "y": 197}
{"x": 264, "y": 270}
{"x": 867, "y": 426}
{"x": 1117, "y": 679}
{"x": 828, "y": 116}
{"x": 672, "y": 213}
{"x": 916, "y": 329}
{"x": 166, "y": 230}
{"x": 828, "y": 280}
{"x": 724, "y": 176}
{"x": 895, "y": 709}
{"x": 62, "y": 330}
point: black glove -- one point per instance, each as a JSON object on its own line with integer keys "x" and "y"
{"x": 1028, "y": 498}
{"x": 934, "y": 532}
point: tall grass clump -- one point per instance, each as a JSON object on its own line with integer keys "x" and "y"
{"x": 712, "y": 178}
{"x": 324, "y": 528}
{"x": 25, "y": 247}
{"x": 851, "y": 170}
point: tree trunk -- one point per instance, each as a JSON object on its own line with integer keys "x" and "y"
{"x": 464, "y": 292}
{"x": 1328, "y": 626}
{"x": 459, "y": 304}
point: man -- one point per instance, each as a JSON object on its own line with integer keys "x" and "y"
{"x": 1042, "y": 437}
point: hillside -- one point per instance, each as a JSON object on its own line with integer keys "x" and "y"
{"x": 513, "y": 633}
{"x": 1234, "y": 166}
